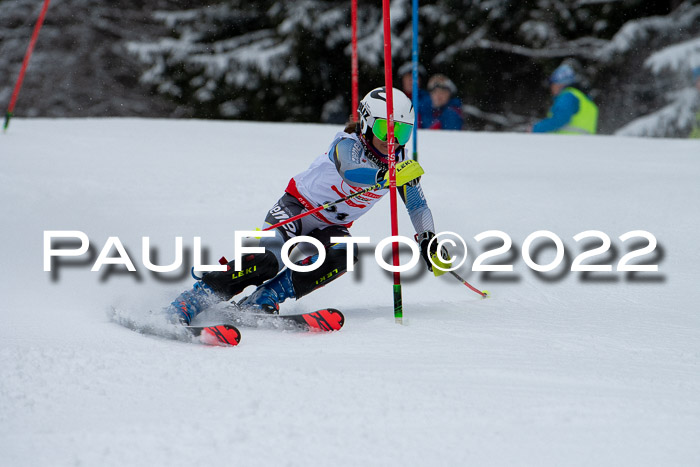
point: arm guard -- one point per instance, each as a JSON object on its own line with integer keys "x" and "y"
{"x": 421, "y": 215}
{"x": 347, "y": 157}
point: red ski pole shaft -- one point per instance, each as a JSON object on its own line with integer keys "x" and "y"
{"x": 324, "y": 206}
{"x": 25, "y": 62}
{"x": 484, "y": 293}
{"x": 377, "y": 186}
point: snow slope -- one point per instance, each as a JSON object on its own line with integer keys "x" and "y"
{"x": 557, "y": 368}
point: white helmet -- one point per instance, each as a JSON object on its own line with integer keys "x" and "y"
{"x": 372, "y": 110}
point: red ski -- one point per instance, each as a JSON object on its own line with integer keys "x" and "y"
{"x": 220, "y": 334}
{"x": 327, "y": 319}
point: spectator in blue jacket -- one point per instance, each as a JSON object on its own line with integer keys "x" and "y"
{"x": 573, "y": 112}
{"x": 446, "y": 108}
{"x": 424, "y": 105}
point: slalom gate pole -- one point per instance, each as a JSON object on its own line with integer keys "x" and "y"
{"x": 355, "y": 69}
{"x": 25, "y": 62}
{"x": 414, "y": 91}
{"x": 483, "y": 293}
{"x": 388, "y": 83}
{"x": 324, "y": 206}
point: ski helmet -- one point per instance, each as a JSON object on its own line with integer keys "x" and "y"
{"x": 564, "y": 74}
{"x": 373, "y": 117}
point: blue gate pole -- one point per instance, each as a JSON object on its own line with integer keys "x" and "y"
{"x": 415, "y": 79}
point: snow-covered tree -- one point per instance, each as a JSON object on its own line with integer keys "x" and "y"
{"x": 670, "y": 68}
{"x": 270, "y": 60}
{"x": 80, "y": 66}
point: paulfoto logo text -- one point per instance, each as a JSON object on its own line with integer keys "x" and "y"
{"x": 449, "y": 242}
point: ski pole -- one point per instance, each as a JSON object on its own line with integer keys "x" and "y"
{"x": 325, "y": 206}
{"x": 484, "y": 294}
{"x": 436, "y": 260}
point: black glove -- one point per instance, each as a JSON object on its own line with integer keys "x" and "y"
{"x": 423, "y": 240}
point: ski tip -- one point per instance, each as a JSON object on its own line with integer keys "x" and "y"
{"x": 222, "y": 335}
{"x": 339, "y": 318}
{"x": 328, "y": 319}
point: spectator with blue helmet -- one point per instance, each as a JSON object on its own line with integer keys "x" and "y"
{"x": 695, "y": 133}
{"x": 573, "y": 112}
{"x": 446, "y": 109}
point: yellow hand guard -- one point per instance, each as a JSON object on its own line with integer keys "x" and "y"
{"x": 439, "y": 265}
{"x": 406, "y": 171}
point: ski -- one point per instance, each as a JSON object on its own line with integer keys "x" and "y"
{"x": 325, "y": 320}
{"x": 220, "y": 334}
{"x": 227, "y": 333}
{"x": 155, "y": 324}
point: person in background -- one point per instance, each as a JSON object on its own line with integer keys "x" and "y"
{"x": 695, "y": 132}
{"x": 446, "y": 107}
{"x": 572, "y": 112}
{"x": 424, "y": 104}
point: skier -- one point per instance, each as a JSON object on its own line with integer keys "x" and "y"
{"x": 573, "y": 112}
{"x": 356, "y": 158}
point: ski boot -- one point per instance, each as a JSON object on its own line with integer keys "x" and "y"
{"x": 267, "y": 297}
{"x": 190, "y": 303}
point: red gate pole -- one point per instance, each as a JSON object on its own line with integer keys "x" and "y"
{"x": 355, "y": 70}
{"x": 388, "y": 83}
{"x": 27, "y": 56}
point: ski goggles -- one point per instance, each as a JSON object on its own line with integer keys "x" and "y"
{"x": 402, "y": 131}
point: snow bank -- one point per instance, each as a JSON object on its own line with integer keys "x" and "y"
{"x": 557, "y": 368}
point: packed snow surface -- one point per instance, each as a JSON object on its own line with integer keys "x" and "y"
{"x": 556, "y": 368}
